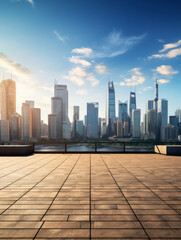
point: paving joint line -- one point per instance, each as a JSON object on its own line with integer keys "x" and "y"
{"x": 58, "y": 192}
{"x": 125, "y": 197}
{"x": 149, "y": 188}
{"x": 35, "y": 184}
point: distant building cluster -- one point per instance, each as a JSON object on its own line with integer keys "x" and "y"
{"x": 126, "y": 125}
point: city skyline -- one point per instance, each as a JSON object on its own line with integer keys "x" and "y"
{"x": 67, "y": 47}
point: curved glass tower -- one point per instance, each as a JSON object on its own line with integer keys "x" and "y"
{"x": 110, "y": 109}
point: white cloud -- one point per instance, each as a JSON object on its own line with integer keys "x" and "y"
{"x": 94, "y": 81}
{"x": 172, "y": 51}
{"x": 76, "y": 75}
{"x": 101, "y": 69}
{"x": 136, "y": 71}
{"x": 117, "y": 44}
{"x": 166, "y": 70}
{"x": 78, "y": 60}
{"x": 82, "y": 92}
{"x": 163, "y": 81}
{"x": 135, "y": 79}
{"x": 146, "y": 88}
{"x": 83, "y": 51}
{"x": 61, "y": 38}
{"x": 170, "y": 46}
{"x": 31, "y": 1}
{"x": 14, "y": 67}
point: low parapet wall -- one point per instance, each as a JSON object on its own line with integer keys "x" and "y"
{"x": 15, "y": 150}
{"x": 168, "y": 149}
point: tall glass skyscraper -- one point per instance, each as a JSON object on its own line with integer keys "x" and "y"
{"x": 92, "y": 120}
{"x": 132, "y": 103}
{"x": 61, "y": 91}
{"x": 110, "y": 108}
{"x": 162, "y": 112}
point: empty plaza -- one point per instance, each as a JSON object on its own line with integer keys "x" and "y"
{"x": 90, "y": 196}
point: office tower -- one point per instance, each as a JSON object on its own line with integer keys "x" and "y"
{"x": 15, "y": 124}
{"x": 174, "y": 120}
{"x": 123, "y": 111}
{"x": 120, "y": 129}
{"x": 155, "y": 107}
{"x": 92, "y": 120}
{"x": 75, "y": 117}
{"x": 162, "y": 114}
{"x": 8, "y": 99}
{"x": 178, "y": 113}
{"x": 102, "y": 127}
{"x": 79, "y": 126}
{"x": 56, "y": 107}
{"x": 149, "y": 105}
{"x": 35, "y": 123}
{"x": 52, "y": 128}
{"x": 66, "y": 130}
{"x": 110, "y": 109}
{"x": 85, "y": 126}
{"x": 132, "y": 103}
{"x": 31, "y": 103}
{"x": 60, "y": 91}
{"x": 26, "y": 125}
{"x": 4, "y": 131}
{"x": 136, "y": 113}
{"x": 169, "y": 133}
{"x": 44, "y": 129}
{"x": 151, "y": 123}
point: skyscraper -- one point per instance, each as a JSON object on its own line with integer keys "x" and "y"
{"x": 149, "y": 105}
{"x": 110, "y": 109}
{"x": 26, "y": 126}
{"x": 31, "y": 102}
{"x": 60, "y": 91}
{"x": 136, "y": 114}
{"x": 123, "y": 111}
{"x": 52, "y": 128}
{"x": 162, "y": 112}
{"x": 15, "y": 126}
{"x": 132, "y": 103}
{"x": 35, "y": 123}
{"x": 92, "y": 120}
{"x": 75, "y": 117}
{"x": 155, "y": 107}
{"x": 8, "y": 99}
{"x": 56, "y": 107}
{"x": 151, "y": 123}
{"x": 174, "y": 120}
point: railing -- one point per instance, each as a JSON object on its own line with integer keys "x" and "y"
{"x": 93, "y": 147}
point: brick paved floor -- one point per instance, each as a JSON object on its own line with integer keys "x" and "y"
{"x": 84, "y": 196}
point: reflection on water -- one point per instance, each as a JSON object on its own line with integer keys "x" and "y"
{"x": 91, "y": 148}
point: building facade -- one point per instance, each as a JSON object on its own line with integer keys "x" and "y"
{"x": 92, "y": 120}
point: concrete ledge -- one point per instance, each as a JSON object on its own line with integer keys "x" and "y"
{"x": 168, "y": 150}
{"x": 15, "y": 150}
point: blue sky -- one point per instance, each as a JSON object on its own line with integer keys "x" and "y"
{"x": 79, "y": 42}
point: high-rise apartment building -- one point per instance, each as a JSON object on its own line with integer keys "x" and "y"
{"x": 92, "y": 120}
{"x": 8, "y": 99}
{"x": 110, "y": 109}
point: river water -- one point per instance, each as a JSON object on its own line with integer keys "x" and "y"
{"x": 85, "y": 148}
